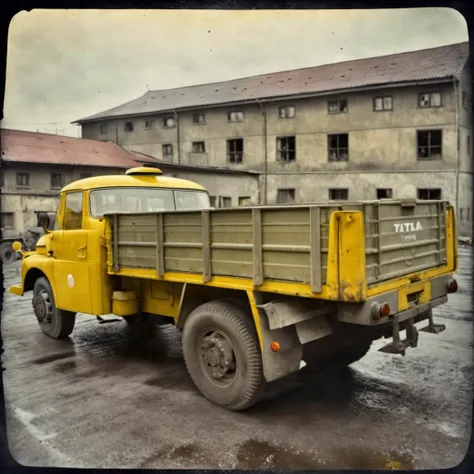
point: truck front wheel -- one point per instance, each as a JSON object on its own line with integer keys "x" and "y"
{"x": 222, "y": 355}
{"x": 54, "y": 322}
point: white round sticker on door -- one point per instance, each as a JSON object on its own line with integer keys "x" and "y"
{"x": 70, "y": 281}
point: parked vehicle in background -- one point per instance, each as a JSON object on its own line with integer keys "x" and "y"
{"x": 258, "y": 291}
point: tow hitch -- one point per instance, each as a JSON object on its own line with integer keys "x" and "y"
{"x": 433, "y": 328}
{"x": 397, "y": 346}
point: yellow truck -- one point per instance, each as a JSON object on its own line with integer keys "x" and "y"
{"x": 258, "y": 291}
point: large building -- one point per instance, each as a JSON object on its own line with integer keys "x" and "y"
{"x": 35, "y": 166}
{"x": 371, "y": 128}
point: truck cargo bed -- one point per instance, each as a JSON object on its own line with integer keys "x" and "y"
{"x": 279, "y": 243}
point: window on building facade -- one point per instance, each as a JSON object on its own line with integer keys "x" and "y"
{"x": 429, "y": 143}
{"x": 384, "y": 193}
{"x": 225, "y": 201}
{"x": 338, "y": 194}
{"x": 128, "y": 127}
{"x": 198, "y": 147}
{"x": 285, "y": 196}
{"x": 429, "y": 193}
{"x": 286, "y": 112}
{"x": 337, "y": 106}
{"x": 56, "y": 181}
{"x": 212, "y": 201}
{"x": 382, "y": 103}
{"x": 235, "y": 150}
{"x": 199, "y": 118}
{"x": 286, "y": 149}
{"x": 235, "y": 116}
{"x": 169, "y": 122}
{"x": 6, "y": 220}
{"x": 338, "y": 147}
{"x": 148, "y": 124}
{"x": 23, "y": 179}
{"x": 73, "y": 214}
{"x": 85, "y": 175}
{"x": 461, "y": 214}
{"x": 103, "y": 129}
{"x": 2, "y": 183}
{"x": 167, "y": 150}
{"x": 245, "y": 201}
{"x": 430, "y": 99}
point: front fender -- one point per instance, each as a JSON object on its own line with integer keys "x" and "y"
{"x": 32, "y": 268}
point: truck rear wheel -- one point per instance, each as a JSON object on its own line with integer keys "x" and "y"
{"x": 7, "y": 254}
{"x": 54, "y": 322}
{"x": 222, "y": 355}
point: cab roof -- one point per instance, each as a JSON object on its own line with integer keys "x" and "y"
{"x": 136, "y": 177}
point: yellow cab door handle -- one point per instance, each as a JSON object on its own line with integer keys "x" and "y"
{"x": 82, "y": 252}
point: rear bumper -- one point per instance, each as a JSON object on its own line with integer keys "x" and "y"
{"x": 405, "y": 303}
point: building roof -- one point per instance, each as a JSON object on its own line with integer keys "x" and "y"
{"x": 42, "y": 148}
{"x": 441, "y": 63}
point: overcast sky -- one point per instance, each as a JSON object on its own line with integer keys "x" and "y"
{"x": 63, "y": 65}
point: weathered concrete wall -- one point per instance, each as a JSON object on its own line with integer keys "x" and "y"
{"x": 376, "y": 139}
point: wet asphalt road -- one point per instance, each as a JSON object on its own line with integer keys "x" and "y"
{"x": 105, "y": 399}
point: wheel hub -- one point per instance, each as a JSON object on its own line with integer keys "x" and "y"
{"x": 42, "y": 308}
{"x": 218, "y": 355}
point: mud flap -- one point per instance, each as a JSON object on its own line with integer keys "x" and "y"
{"x": 433, "y": 328}
{"x": 397, "y": 346}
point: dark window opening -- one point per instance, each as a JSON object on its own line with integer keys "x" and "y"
{"x": 148, "y": 124}
{"x": 128, "y": 127}
{"x": 429, "y": 194}
{"x": 7, "y": 220}
{"x": 23, "y": 179}
{"x": 286, "y": 148}
{"x": 465, "y": 100}
{"x": 199, "y": 118}
{"x": 103, "y": 129}
{"x": 286, "y": 112}
{"x": 245, "y": 201}
{"x": 461, "y": 212}
{"x": 235, "y": 150}
{"x": 198, "y": 147}
{"x": 382, "y": 103}
{"x": 338, "y": 147}
{"x": 212, "y": 201}
{"x": 85, "y": 175}
{"x": 2, "y": 182}
{"x": 167, "y": 150}
{"x": 384, "y": 193}
{"x": 429, "y": 144}
{"x": 432, "y": 99}
{"x": 225, "y": 201}
{"x": 56, "y": 180}
{"x": 337, "y": 106}
{"x": 338, "y": 194}
{"x": 286, "y": 196}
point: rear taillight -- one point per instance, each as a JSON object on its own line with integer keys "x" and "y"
{"x": 452, "y": 286}
{"x": 380, "y": 310}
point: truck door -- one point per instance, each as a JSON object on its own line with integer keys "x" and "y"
{"x": 71, "y": 269}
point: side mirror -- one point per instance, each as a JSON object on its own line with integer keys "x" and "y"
{"x": 43, "y": 220}
{"x": 16, "y": 246}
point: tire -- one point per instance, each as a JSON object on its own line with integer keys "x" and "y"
{"x": 352, "y": 353}
{"x": 54, "y": 322}
{"x": 7, "y": 254}
{"x": 231, "y": 338}
{"x": 135, "y": 319}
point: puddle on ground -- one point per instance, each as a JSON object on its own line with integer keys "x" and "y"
{"x": 255, "y": 454}
{"x": 188, "y": 454}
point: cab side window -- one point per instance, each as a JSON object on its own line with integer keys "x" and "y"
{"x": 73, "y": 211}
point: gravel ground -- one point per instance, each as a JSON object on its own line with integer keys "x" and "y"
{"x": 104, "y": 399}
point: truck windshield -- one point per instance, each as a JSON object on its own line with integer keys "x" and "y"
{"x": 130, "y": 200}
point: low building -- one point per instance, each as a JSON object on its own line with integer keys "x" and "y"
{"x": 35, "y": 166}
{"x": 379, "y": 127}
